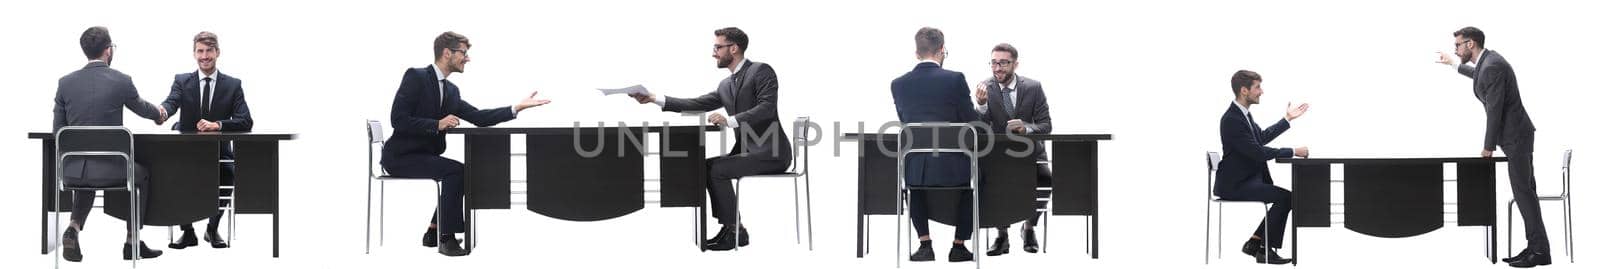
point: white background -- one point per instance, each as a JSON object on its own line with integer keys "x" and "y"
{"x": 1153, "y": 73}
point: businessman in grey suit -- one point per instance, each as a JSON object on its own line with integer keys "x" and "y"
{"x": 1508, "y": 126}
{"x": 1022, "y": 110}
{"x": 209, "y": 101}
{"x": 750, "y": 97}
{"x": 95, "y": 96}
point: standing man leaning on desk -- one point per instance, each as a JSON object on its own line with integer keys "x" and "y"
{"x": 750, "y": 95}
{"x": 210, "y": 102}
{"x": 1243, "y": 176}
{"x": 1508, "y": 127}
{"x": 1022, "y": 110}
{"x": 95, "y": 96}
{"x": 930, "y": 93}
{"x": 425, "y": 105}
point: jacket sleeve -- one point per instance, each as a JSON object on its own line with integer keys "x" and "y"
{"x": 240, "y": 120}
{"x": 1494, "y": 91}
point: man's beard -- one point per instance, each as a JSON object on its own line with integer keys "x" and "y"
{"x": 1005, "y": 78}
{"x": 724, "y": 62}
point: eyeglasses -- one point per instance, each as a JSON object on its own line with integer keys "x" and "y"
{"x": 717, "y": 47}
{"x": 1458, "y": 44}
{"x": 461, "y": 51}
{"x": 1001, "y": 63}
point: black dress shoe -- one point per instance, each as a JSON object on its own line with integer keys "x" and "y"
{"x": 725, "y": 240}
{"x": 1000, "y": 246}
{"x": 959, "y": 253}
{"x": 924, "y": 252}
{"x": 1029, "y": 244}
{"x": 1271, "y": 257}
{"x": 144, "y": 252}
{"x": 1534, "y": 258}
{"x": 1519, "y": 256}
{"x": 69, "y": 246}
{"x": 430, "y": 238}
{"x": 215, "y": 240}
{"x": 450, "y": 247}
{"x": 187, "y": 240}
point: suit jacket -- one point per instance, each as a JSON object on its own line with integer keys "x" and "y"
{"x": 417, "y": 109}
{"x": 1244, "y": 151}
{"x": 751, "y": 97}
{"x": 1031, "y": 108}
{"x": 95, "y": 96}
{"x": 228, "y": 107}
{"x": 930, "y": 93}
{"x": 1495, "y": 85}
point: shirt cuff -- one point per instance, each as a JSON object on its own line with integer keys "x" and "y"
{"x": 659, "y": 100}
{"x": 733, "y": 122}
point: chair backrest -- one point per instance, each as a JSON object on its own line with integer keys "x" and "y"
{"x": 374, "y": 131}
{"x": 1566, "y": 173}
{"x": 1212, "y": 159}
{"x": 374, "y": 137}
{"x": 99, "y": 144}
{"x": 936, "y": 138}
{"x": 944, "y": 137}
{"x": 796, "y": 165}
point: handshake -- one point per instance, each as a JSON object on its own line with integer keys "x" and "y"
{"x": 203, "y": 125}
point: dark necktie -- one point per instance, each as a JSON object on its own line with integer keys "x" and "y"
{"x": 205, "y": 98}
{"x": 1006, "y": 102}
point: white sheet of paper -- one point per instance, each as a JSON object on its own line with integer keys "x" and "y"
{"x": 639, "y": 89}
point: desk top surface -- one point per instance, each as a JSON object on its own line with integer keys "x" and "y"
{"x": 1389, "y": 160}
{"x": 569, "y": 129}
{"x": 170, "y": 135}
{"x": 1048, "y": 137}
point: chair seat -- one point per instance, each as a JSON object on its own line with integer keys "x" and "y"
{"x": 1541, "y": 198}
{"x": 1220, "y": 200}
{"x": 388, "y": 177}
{"x": 938, "y": 188}
{"x": 778, "y": 175}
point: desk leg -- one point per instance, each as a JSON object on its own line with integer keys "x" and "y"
{"x": 860, "y": 228}
{"x": 1294, "y": 246}
{"x": 274, "y": 234}
{"x": 700, "y": 221}
{"x": 50, "y": 194}
{"x": 1494, "y": 256}
{"x": 1096, "y": 237}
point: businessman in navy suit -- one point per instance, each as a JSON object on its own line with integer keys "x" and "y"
{"x": 209, "y": 101}
{"x": 425, "y": 105}
{"x": 1243, "y": 176}
{"x": 930, "y": 93}
{"x": 1508, "y": 127}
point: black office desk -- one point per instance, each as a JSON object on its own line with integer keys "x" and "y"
{"x": 1393, "y": 197}
{"x": 182, "y": 191}
{"x": 1008, "y": 192}
{"x": 564, "y": 184}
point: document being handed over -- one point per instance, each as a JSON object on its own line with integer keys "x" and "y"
{"x": 635, "y": 89}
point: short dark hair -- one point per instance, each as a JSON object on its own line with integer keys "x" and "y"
{"x": 94, "y": 41}
{"x": 448, "y": 40}
{"x": 207, "y": 38}
{"x": 733, "y": 34}
{"x": 1244, "y": 78}
{"x": 929, "y": 40}
{"x": 1471, "y": 33}
{"x": 1006, "y": 48}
